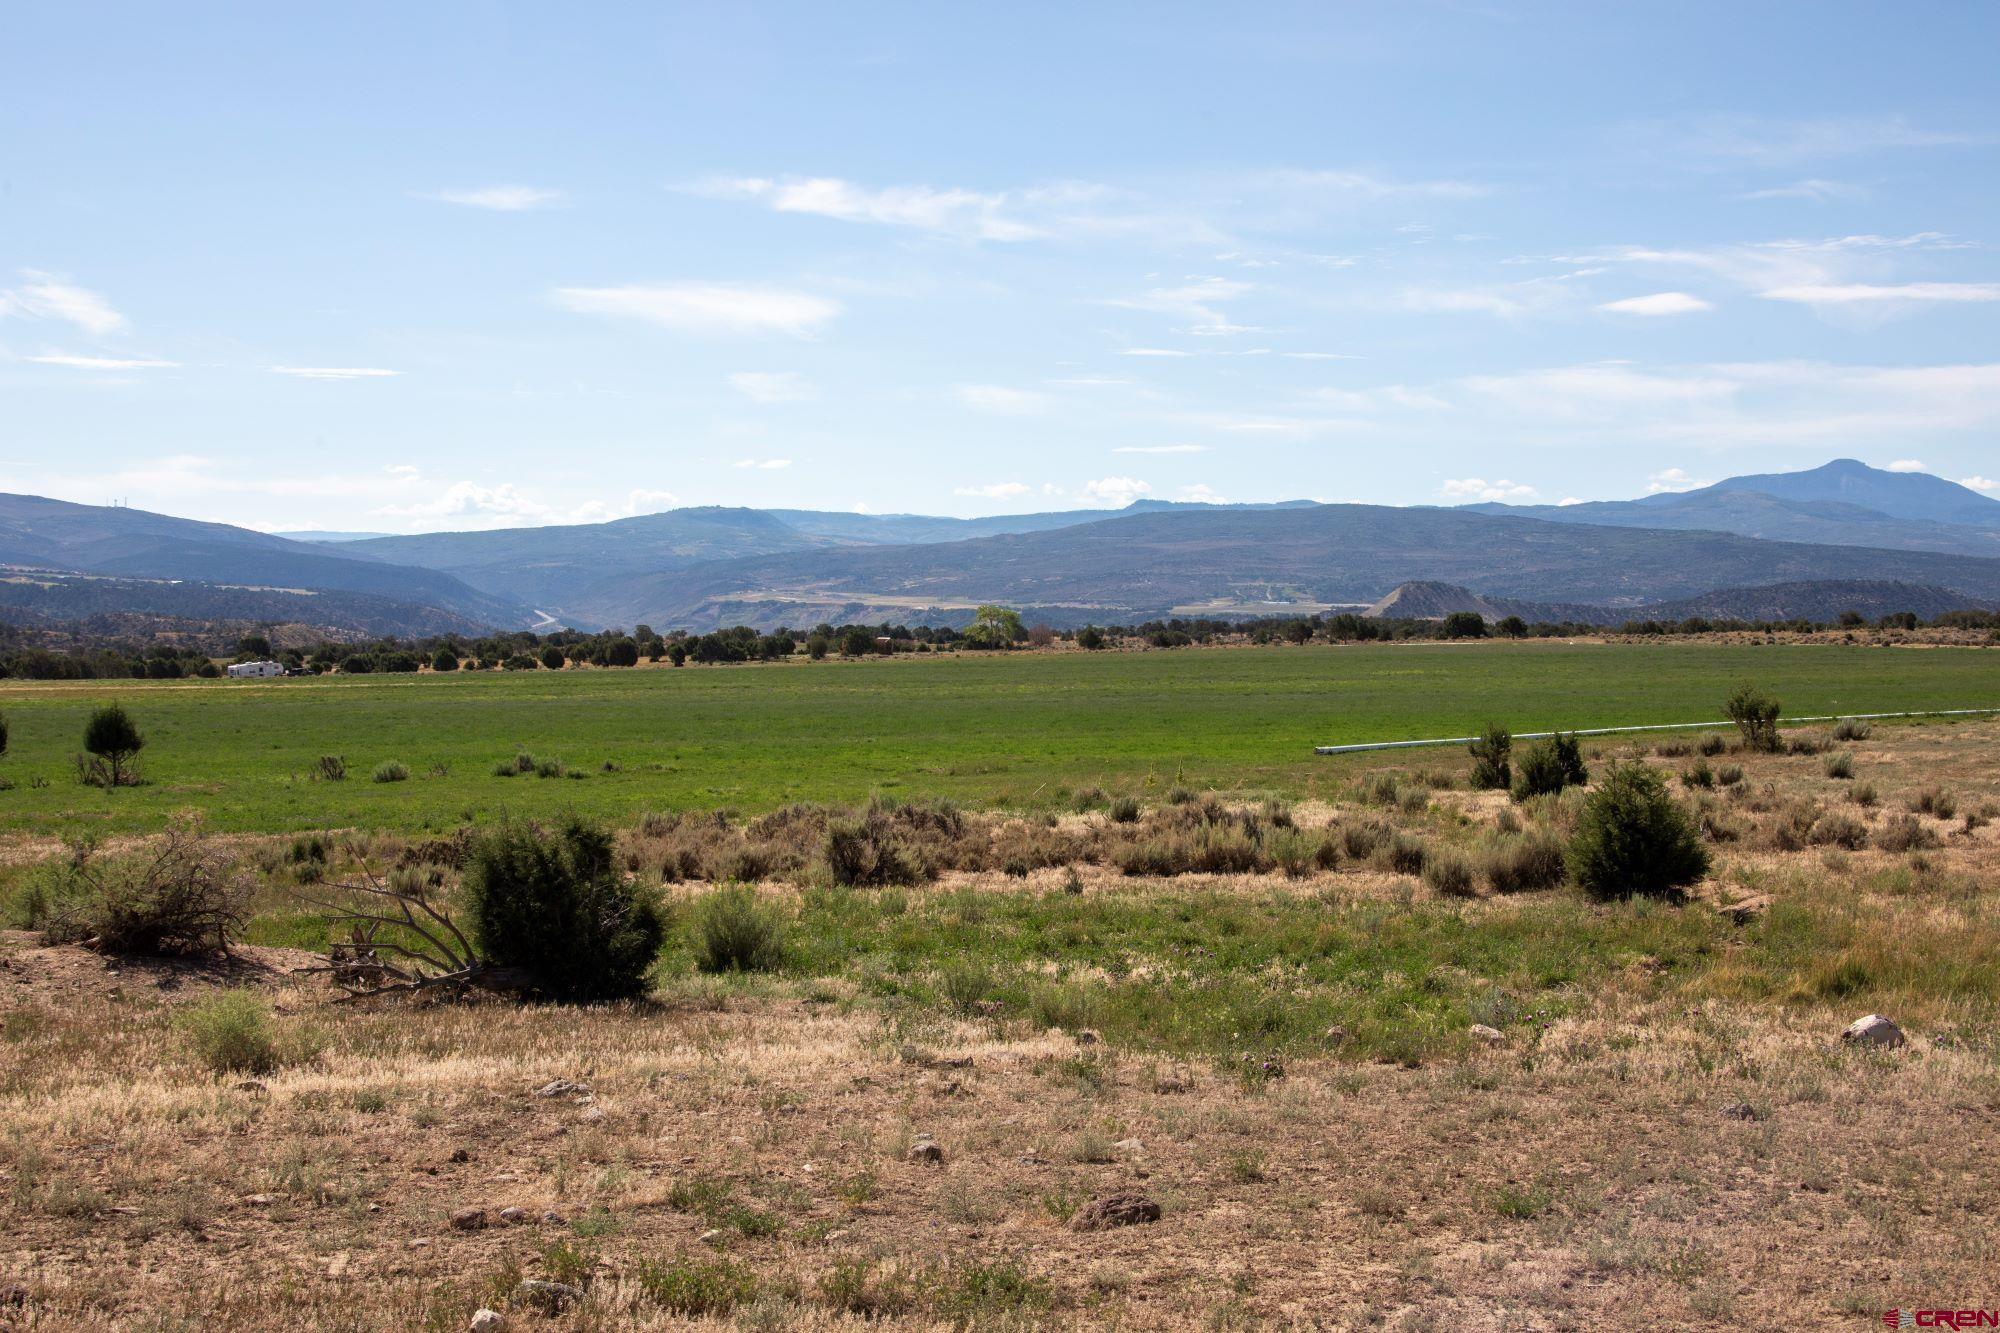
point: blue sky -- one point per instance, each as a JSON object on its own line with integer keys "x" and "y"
{"x": 406, "y": 267}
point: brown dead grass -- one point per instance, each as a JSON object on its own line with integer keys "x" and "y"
{"x": 1667, "y": 1157}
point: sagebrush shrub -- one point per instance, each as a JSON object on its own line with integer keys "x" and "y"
{"x": 733, "y": 932}
{"x": 1903, "y": 833}
{"x": 1840, "y": 766}
{"x": 231, "y": 1033}
{"x": 1631, "y": 838}
{"x": 1851, "y": 729}
{"x": 1125, "y": 810}
{"x": 1448, "y": 875}
{"x": 551, "y": 904}
{"x": 390, "y": 770}
{"x": 1518, "y": 865}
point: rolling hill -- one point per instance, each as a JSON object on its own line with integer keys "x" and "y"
{"x": 1257, "y": 562}
{"x": 136, "y": 544}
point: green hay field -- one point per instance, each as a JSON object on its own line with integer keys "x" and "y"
{"x": 1012, "y": 730}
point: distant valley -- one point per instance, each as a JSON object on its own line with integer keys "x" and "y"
{"x": 1788, "y": 540}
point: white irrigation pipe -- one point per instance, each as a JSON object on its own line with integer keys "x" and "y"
{"x": 1653, "y": 726}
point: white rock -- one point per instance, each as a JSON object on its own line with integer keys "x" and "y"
{"x": 712, "y": 1236}
{"x": 1491, "y": 1036}
{"x": 488, "y": 1321}
{"x": 562, "y": 1087}
{"x": 1874, "y": 1030}
{"x": 1128, "y": 1145}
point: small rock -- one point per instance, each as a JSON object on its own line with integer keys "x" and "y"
{"x": 563, "y": 1087}
{"x": 513, "y": 1216}
{"x": 1128, "y": 1145}
{"x": 469, "y": 1219}
{"x": 1743, "y": 912}
{"x": 548, "y": 1297}
{"x": 1491, "y": 1036}
{"x": 551, "y": 1215}
{"x": 421, "y": 1243}
{"x": 1874, "y": 1030}
{"x": 1172, "y": 1083}
{"x": 487, "y": 1321}
{"x": 460, "y": 1155}
{"x": 590, "y": 1115}
{"x": 258, "y": 1200}
{"x": 251, "y": 1085}
{"x": 712, "y": 1236}
{"x": 926, "y": 1152}
{"x": 1088, "y": 1037}
{"x": 1739, "y": 1111}
{"x": 1115, "y": 1210}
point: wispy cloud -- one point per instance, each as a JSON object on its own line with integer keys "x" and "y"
{"x": 1906, "y": 465}
{"x": 501, "y": 198}
{"x": 955, "y": 212}
{"x": 1814, "y": 190}
{"x": 1197, "y": 301}
{"x": 763, "y": 464}
{"x": 1152, "y": 351}
{"x": 1978, "y": 483}
{"x": 1659, "y": 303}
{"x": 636, "y": 503}
{"x": 703, "y": 307}
{"x": 1774, "y": 142}
{"x": 1004, "y": 401}
{"x": 46, "y": 296}
{"x": 1852, "y": 293}
{"x": 1161, "y": 449}
{"x": 101, "y": 362}
{"x": 771, "y": 386}
{"x": 335, "y": 372}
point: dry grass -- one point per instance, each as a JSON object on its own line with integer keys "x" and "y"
{"x": 1672, "y": 1133}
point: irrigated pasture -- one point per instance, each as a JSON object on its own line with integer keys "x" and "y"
{"x": 1009, "y": 730}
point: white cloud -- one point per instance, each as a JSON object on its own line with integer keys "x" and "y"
{"x": 999, "y": 490}
{"x": 704, "y": 307}
{"x": 335, "y": 372}
{"x": 1596, "y": 390}
{"x": 1659, "y": 303}
{"x": 1479, "y": 488}
{"x": 1361, "y": 184}
{"x": 1201, "y": 493}
{"x": 1003, "y": 401}
{"x": 636, "y": 503}
{"x": 1115, "y": 490}
{"x": 763, "y": 464}
{"x": 965, "y": 213}
{"x": 1849, "y": 293}
{"x": 1161, "y": 449}
{"x": 776, "y": 386}
{"x": 1774, "y": 142}
{"x": 1152, "y": 351}
{"x": 1320, "y": 356}
{"x": 101, "y": 362}
{"x": 502, "y": 198}
{"x": 45, "y": 296}
{"x": 1905, "y": 465}
{"x": 1818, "y": 191}
{"x": 482, "y": 506}
{"x": 1672, "y": 481}
{"x": 1569, "y": 500}
{"x": 1980, "y": 483}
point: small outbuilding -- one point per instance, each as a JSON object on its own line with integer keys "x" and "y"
{"x": 255, "y": 670}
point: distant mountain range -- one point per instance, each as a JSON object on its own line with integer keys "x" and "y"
{"x": 1799, "y": 539}
{"x": 1844, "y": 503}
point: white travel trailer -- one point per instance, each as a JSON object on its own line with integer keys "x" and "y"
{"x": 253, "y": 670}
